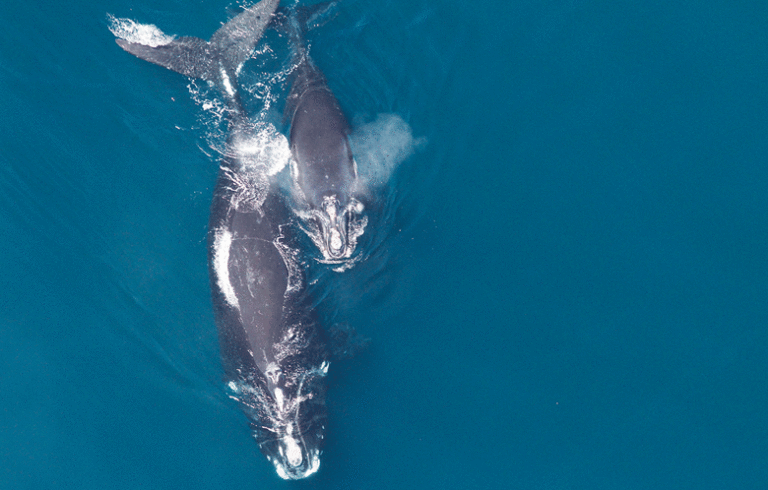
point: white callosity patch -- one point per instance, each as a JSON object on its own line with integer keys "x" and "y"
{"x": 335, "y": 239}
{"x": 355, "y": 229}
{"x": 312, "y": 468}
{"x": 381, "y": 145}
{"x": 292, "y": 449}
{"x": 133, "y": 32}
{"x": 279, "y": 399}
{"x": 334, "y": 242}
{"x": 222, "y": 242}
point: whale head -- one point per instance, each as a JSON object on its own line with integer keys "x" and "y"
{"x": 288, "y": 416}
{"x": 290, "y": 427}
{"x": 339, "y": 222}
{"x": 294, "y": 453}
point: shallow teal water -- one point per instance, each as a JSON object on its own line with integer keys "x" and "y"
{"x": 571, "y": 290}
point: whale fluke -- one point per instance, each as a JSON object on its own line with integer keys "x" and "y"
{"x": 218, "y": 60}
{"x": 189, "y": 56}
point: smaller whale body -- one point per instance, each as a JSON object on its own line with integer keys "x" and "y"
{"x": 326, "y": 182}
{"x": 274, "y": 352}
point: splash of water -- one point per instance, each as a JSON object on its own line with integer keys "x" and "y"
{"x": 134, "y": 32}
{"x": 381, "y": 145}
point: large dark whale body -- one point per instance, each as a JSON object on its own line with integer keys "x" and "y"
{"x": 323, "y": 167}
{"x": 274, "y": 352}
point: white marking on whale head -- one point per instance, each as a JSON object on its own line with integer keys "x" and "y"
{"x": 335, "y": 229}
{"x": 292, "y": 450}
{"x": 280, "y": 399}
{"x": 295, "y": 463}
{"x": 222, "y": 242}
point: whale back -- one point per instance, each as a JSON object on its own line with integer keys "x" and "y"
{"x": 319, "y": 137}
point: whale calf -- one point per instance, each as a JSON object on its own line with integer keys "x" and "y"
{"x": 274, "y": 352}
{"x": 323, "y": 167}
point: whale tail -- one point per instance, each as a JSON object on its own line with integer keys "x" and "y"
{"x": 218, "y": 60}
{"x": 295, "y": 23}
{"x": 299, "y": 20}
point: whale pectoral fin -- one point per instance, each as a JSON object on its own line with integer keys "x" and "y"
{"x": 186, "y": 55}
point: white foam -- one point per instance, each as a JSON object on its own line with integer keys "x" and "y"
{"x": 381, "y": 145}
{"x": 260, "y": 152}
{"x": 133, "y": 32}
{"x": 265, "y": 147}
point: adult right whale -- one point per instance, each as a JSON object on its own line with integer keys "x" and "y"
{"x": 274, "y": 351}
{"x": 323, "y": 167}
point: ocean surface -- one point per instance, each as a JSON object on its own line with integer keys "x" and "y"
{"x": 568, "y": 287}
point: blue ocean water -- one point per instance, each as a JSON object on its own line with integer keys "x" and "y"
{"x": 570, "y": 290}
